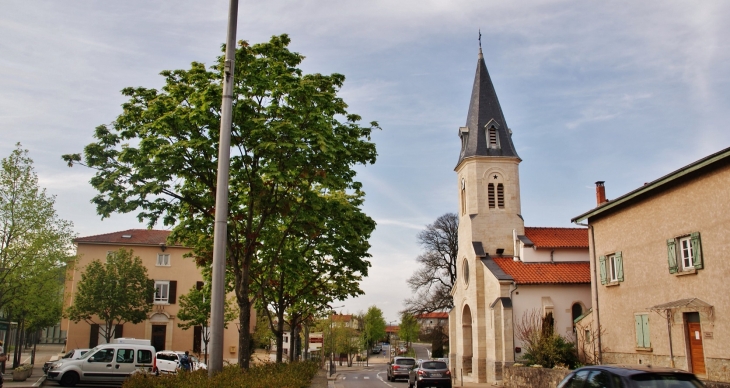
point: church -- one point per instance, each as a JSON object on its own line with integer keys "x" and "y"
{"x": 505, "y": 271}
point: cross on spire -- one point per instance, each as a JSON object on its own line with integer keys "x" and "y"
{"x": 480, "y": 38}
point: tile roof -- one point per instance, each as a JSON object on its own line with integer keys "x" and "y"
{"x": 434, "y": 315}
{"x": 128, "y": 237}
{"x": 342, "y": 317}
{"x": 545, "y": 273}
{"x": 557, "y": 237}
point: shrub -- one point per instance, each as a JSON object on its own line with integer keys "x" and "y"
{"x": 290, "y": 375}
{"x": 543, "y": 346}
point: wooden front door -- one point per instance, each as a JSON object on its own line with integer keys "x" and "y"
{"x": 697, "y": 354}
{"x": 159, "y": 332}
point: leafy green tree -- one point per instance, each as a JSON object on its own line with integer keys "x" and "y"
{"x": 195, "y": 311}
{"x": 292, "y": 141}
{"x": 113, "y": 293}
{"x": 408, "y": 330}
{"x": 373, "y": 327}
{"x": 34, "y": 247}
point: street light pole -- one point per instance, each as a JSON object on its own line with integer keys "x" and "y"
{"x": 220, "y": 228}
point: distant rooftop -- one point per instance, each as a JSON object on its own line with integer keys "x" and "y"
{"x": 128, "y": 237}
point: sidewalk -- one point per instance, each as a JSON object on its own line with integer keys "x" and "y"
{"x": 43, "y": 353}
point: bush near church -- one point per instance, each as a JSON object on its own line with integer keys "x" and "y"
{"x": 289, "y": 375}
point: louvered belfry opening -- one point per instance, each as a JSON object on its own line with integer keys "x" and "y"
{"x": 500, "y": 195}
{"x": 491, "y": 195}
{"x": 492, "y": 137}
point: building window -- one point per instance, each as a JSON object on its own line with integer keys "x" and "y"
{"x": 612, "y": 268}
{"x": 463, "y": 196}
{"x": 492, "y": 137}
{"x": 162, "y": 291}
{"x": 500, "y": 195}
{"x": 163, "y": 259}
{"x": 490, "y": 191}
{"x": 465, "y": 271}
{"x": 643, "y": 339}
{"x": 685, "y": 253}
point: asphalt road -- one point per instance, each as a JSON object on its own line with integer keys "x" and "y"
{"x": 376, "y": 374}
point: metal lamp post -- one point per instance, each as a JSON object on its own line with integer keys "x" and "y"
{"x": 332, "y": 339}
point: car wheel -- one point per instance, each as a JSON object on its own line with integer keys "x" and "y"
{"x": 69, "y": 379}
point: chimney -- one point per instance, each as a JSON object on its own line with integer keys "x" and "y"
{"x": 600, "y": 193}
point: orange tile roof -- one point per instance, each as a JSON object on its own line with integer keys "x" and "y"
{"x": 545, "y": 273}
{"x": 129, "y": 236}
{"x": 435, "y": 315}
{"x": 558, "y": 237}
{"x": 342, "y": 317}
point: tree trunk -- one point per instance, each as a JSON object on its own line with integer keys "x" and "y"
{"x": 280, "y": 336}
{"x": 244, "y": 315}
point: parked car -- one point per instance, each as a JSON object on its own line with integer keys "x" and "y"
{"x": 400, "y": 367}
{"x": 168, "y": 361}
{"x": 73, "y": 354}
{"x": 402, "y": 349}
{"x": 377, "y": 349}
{"x": 107, "y": 363}
{"x": 629, "y": 376}
{"x": 429, "y": 373}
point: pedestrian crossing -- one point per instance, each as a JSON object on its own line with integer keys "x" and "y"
{"x": 355, "y": 377}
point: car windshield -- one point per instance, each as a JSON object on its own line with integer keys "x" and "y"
{"x": 433, "y": 365}
{"x": 69, "y": 354}
{"x": 167, "y": 356}
{"x": 653, "y": 380}
{"x": 87, "y": 354}
{"x": 405, "y": 361}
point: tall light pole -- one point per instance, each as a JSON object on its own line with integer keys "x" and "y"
{"x": 332, "y": 338}
{"x": 220, "y": 228}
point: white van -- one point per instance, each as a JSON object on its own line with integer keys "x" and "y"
{"x": 104, "y": 363}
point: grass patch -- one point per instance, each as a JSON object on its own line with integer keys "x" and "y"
{"x": 289, "y": 375}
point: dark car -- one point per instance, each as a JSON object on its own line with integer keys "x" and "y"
{"x": 400, "y": 367}
{"x": 430, "y": 373}
{"x": 629, "y": 376}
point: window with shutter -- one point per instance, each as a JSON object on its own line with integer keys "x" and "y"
{"x": 602, "y": 260}
{"x": 500, "y": 195}
{"x": 619, "y": 263}
{"x": 696, "y": 250}
{"x": 94, "y": 335}
{"x": 643, "y": 337}
{"x": 490, "y": 195}
{"x": 172, "y": 296}
{"x": 672, "y": 255}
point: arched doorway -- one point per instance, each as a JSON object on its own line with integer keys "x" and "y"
{"x": 466, "y": 343}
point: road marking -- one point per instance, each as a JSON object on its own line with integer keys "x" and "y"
{"x": 366, "y": 378}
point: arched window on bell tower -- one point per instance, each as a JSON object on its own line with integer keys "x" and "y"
{"x": 495, "y": 191}
{"x": 463, "y": 196}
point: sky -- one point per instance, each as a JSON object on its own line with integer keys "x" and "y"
{"x": 618, "y": 91}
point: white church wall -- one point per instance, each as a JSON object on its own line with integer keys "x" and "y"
{"x": 556, "y": 298}
{"x": 531, "y": 255}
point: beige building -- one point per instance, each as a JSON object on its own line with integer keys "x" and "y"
{"x": 173, "y": 274}
{"x": 660, "y": 268}
{"x": 505, "y": 269}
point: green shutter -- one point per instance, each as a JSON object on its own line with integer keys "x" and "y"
{"x": 639, "y": 331}
{"x": 602, "y": 259}
{"x": 619, "y": 266}
{"x": 645, "y": 331}
{"x": 672, "y": 255}
{"x": 696, "y": 250}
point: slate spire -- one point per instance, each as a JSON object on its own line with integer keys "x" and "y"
{"x": 486, "y": 132}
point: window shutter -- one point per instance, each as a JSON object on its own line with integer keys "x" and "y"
{"x": 151, "y": 297}
{"x": 696, "y": 250}
{"x": 199, "y": 285}
{"x": 197, "y": 338}
{"x": 645, "y": 330}
{"x": 619, "y": 266}
{"x": 672, "y": 255}
{"x": 172, "y": 294}
{"x": 602, "y": 259}
{"x": 639, "y": 331}
{"x": 118, "y": 331}
{"x": 94, "y": 336}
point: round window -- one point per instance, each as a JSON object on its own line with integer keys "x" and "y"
{"x": 466, "y": 272}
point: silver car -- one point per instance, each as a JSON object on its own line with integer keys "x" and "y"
{"x": 400, "y": 367}
{"x": 430, "y": 373}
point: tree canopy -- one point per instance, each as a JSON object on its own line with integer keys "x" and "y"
{"x": 293, "y": 149}
{"x": 408, "y": 330}
{"x": 35, "y": 245}
{"x": 436, "y": 274}
{"x": 113, "y": 293}
{"x": 373, "y": 326}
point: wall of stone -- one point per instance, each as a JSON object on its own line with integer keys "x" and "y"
{"x": 523, "y": 376}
